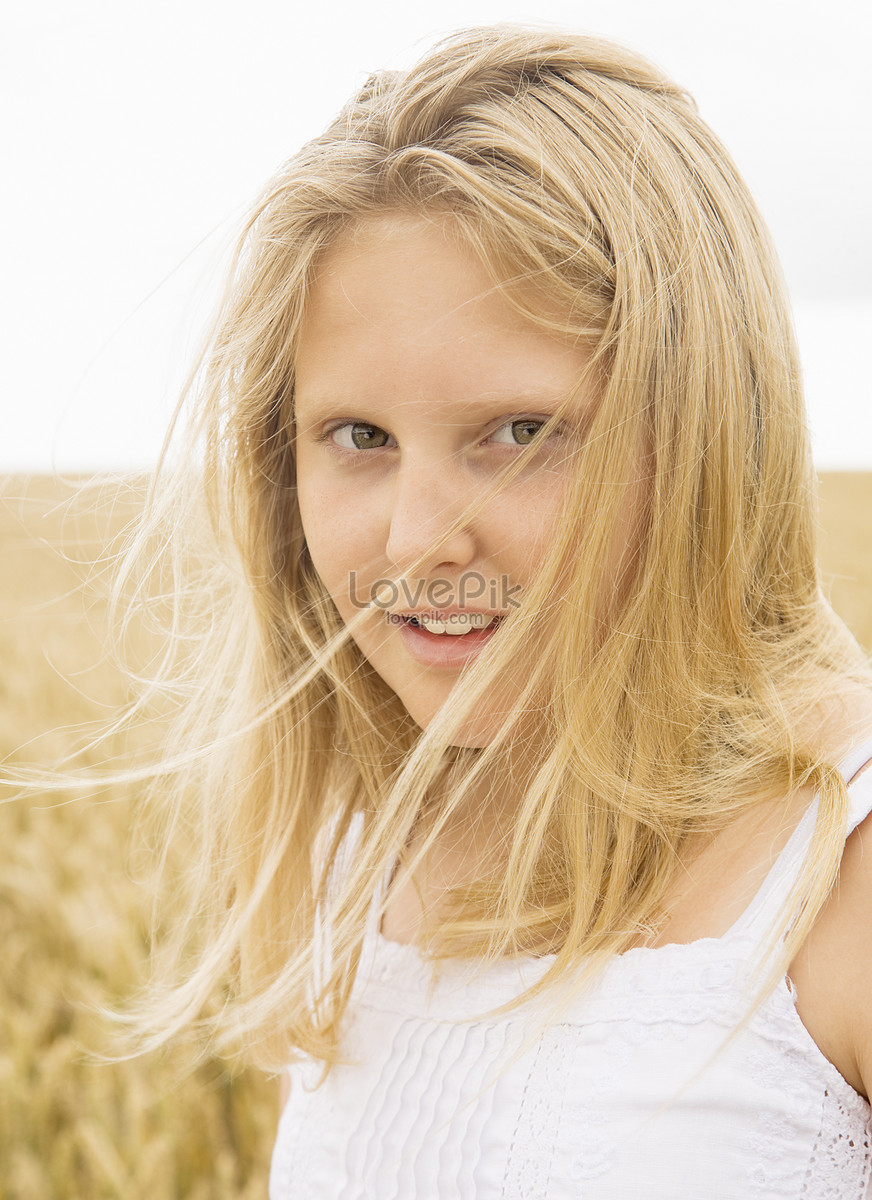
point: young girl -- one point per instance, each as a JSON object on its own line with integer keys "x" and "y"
{"x": 533, "y": 751}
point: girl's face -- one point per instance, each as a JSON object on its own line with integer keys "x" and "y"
{"x": 417, "y": 385}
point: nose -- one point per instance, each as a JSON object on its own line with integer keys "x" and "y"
{"x": 427, "y": 499}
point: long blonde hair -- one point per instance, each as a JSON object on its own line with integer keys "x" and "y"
{"x": 578, "y": 173}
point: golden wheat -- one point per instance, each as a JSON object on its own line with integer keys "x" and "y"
{"x": 73, "y": 911}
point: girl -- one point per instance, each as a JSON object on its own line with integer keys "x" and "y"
{"x": 534, "y": 751}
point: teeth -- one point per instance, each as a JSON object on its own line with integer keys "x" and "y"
{"x": 459, "y": 623}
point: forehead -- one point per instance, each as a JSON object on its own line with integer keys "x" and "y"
{"x": 401, "y": 305}
{"x": 399, "y": 269}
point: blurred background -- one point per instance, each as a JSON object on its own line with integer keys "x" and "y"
{"x": 136, "y": 135}
{"x": 135, "y": 138}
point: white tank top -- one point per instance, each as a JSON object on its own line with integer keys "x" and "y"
{"x": 439, "y": 1102}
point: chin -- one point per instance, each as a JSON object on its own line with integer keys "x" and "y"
{"x": 476, "y": 734}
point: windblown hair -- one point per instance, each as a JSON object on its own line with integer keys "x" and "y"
{"x": 578, "y": 174}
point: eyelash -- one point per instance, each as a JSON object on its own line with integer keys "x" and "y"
{"x": 327, "y": 435}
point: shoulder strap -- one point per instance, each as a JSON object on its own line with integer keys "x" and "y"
{"x": 760, "y": 915}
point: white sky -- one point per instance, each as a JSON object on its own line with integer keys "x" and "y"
{"x": 136, "y": 135}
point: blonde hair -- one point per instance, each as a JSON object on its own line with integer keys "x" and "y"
{"x": 580, "y": 174}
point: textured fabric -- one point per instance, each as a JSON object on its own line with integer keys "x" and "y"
{"x": 633, "y": 1091}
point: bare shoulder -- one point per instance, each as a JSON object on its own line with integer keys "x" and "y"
{"x": 855, "y": 897}
{"x": 833, "y": 971}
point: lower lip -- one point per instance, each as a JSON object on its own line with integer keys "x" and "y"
{"x": 441, "y": 649}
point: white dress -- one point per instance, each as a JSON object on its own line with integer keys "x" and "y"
{"x": 623, "y": 1097}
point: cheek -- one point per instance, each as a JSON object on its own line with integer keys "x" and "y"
{"x": 528, "y": 523}
{"x": 323, "y": 523}
{"x": 343, "y": 541}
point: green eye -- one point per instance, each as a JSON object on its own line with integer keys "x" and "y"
{"x": 360, "y": 437}
{"x": 522, "y": 432}
{"x": 525, "y": 432}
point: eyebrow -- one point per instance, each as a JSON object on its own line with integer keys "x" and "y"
{"x": 318, "y": 405}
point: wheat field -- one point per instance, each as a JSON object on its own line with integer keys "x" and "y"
{"x": 73, "y": 906}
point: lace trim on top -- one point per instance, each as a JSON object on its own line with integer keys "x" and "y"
{"x": 840, "y": 1165}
